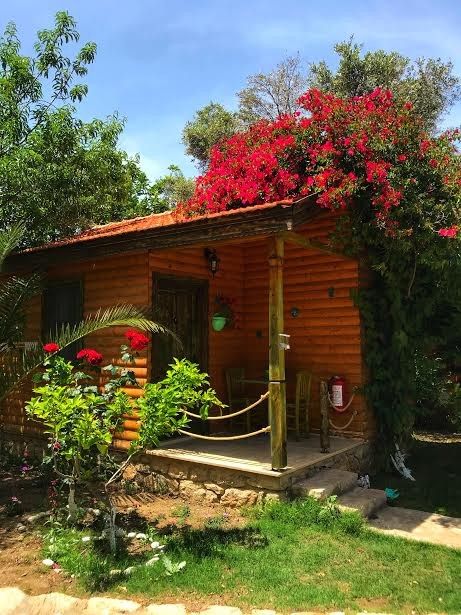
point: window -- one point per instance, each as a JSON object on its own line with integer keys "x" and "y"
{"x": 63, "y": 305}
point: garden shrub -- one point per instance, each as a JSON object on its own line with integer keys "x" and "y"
{"x": 81, "y": 418}
{"x": 161, "y": 407}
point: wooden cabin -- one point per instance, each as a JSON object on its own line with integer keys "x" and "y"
{"x": 273, "y": 261}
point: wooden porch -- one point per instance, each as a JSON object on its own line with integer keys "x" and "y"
{"x": 263, "y": 346}
{"x": 248, "y": 462}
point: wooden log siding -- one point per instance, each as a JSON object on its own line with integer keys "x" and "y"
{"x": 325, "y": 337}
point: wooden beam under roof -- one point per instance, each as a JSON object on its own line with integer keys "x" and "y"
{"x": 310, "y": 244}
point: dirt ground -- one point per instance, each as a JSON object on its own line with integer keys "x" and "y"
{"x": 21, "y": 544}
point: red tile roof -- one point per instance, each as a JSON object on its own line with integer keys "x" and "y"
{"x": 153, "y": 221}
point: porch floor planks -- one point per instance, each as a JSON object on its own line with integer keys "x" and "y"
{"x": 253, "y": 456}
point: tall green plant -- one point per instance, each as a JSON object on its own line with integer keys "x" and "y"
{"x": 81, "y": 421}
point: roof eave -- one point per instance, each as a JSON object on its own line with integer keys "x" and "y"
{"x": 248, "y": 223}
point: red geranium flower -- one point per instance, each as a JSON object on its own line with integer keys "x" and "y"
{"x": 450, "y": 232}
{"x": 93, "y": 357}
{"x": 51, "y": 347}
{"x": 138, "y": 341}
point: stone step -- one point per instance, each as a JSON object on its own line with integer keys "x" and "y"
{"x": 365, "y": 501}
{"x": 325, "y": 483}
{"x": 419, "y": 525}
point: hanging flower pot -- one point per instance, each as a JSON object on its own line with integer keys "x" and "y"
{"x": 223, "y": 316}
{"x": 218, "y": 322}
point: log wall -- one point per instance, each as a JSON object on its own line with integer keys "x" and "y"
{"x": 128, "y": 279}
{"x": 325, "y": 336}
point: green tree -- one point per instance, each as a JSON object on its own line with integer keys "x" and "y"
{"x": 171, "y": 189}
{"x": 58, "y": 173}
{"x": 429, "y": 83}
{"x": 269, "y": 95}
{"x": 209, "y": 126}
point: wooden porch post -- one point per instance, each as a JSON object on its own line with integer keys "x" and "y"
{"x": 277, "y": 387}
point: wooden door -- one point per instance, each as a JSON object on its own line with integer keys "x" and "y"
{"x": 181, "y": 305}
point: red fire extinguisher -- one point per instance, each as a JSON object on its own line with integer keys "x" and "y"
{"x": 337, "y": 390}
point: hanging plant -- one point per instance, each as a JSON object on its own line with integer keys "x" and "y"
{"x": 224, "y": 315}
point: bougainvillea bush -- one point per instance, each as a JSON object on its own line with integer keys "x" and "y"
{"x": 398, "y": 190}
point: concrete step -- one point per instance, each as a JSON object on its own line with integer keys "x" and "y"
{"x": 325, "y": 483}
{"x": 365, "y": 501}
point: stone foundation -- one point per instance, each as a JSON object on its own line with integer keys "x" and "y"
{"x": 156, "y": 472}
{"x": 201, "y": 482}
{"x": 205, "y": 487}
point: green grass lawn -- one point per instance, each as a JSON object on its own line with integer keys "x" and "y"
{"x": 296, "y": 556}
{"x": 435, "y": 461}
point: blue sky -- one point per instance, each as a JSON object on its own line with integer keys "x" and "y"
{"x": 158, "y": 61}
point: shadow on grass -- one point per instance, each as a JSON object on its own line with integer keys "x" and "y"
{"x": 210, "y": 541}
{"x": 99, "y": 570}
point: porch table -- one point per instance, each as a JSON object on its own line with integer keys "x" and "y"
{"x": 252, "y": 381}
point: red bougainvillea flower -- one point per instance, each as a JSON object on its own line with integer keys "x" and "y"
{"x": 92, "y": 357}
{"x": 339, "y": 151}
{"x": 450, "y": 232}
{"x": 138, "y": 341}
{"x": 51, "y": 347}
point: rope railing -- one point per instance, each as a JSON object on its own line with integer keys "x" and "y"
{"x": 342, "y": 427}
{"x": 222, "y": 417}
{"x": 326, "y": 420}
{"x": 224, "y": 438}
{"x": 346, "y": 407}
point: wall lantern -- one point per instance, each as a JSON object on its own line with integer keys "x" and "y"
{"x": 213, "y": 260}
{"x": 294, "y": 312}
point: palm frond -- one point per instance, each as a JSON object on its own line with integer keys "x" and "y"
{"x": 14, "y": 295}
{"x": 16, "y": 369}
{"x": 9, "y": 240}
{"x": 116, "y": 316}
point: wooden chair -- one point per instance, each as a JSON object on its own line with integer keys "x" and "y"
{"x": 236, "y": 393}
{"x": 301, "y": 403}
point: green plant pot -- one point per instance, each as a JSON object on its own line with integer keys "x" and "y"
{"x": 218, "y": 322}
